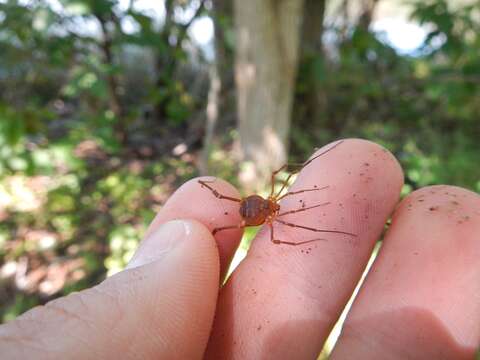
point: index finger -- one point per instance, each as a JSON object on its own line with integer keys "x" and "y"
{"x": 283, "y": 300}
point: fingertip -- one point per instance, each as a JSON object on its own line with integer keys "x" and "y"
{"x": 362, "y": 182}
{"x": 354, "y": 166}
{"x": 194, "y": 201}
{"x": 346, "y": 150}
{"x": 378, "y": 151}
{"x": 202, "y": 243}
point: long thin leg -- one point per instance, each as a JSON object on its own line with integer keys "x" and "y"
{"x": 216, "y": 193}
{"x": 313, "y": 229}
{"x": 301, "y": 191}
{"x": 273, "y": 178}
{"x": 322, "y": 153}
{"x": 303, "y": 209}
{"x": 238, "y": 226}
{"x": 301, "y": 166}
{"x": 285, "y": 182}
{"x": 276, "y": 241}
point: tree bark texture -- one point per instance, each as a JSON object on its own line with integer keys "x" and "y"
{"x": 267, "y": 47}
{"x": 367, "y": 14}
{"x": 311, "y": 54}
{"x": 221, "y": 79}
{"x": 115, "y": 102}
{"x": 223, "y": 22}
{"x": 312, "y": 26}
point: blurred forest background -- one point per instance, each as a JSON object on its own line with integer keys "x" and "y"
{"x": 106, "y": 107}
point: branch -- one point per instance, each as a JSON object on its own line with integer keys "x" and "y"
{"x": 106, "y": 46}
{"x": 184, "y": 28}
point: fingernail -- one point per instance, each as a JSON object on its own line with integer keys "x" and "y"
{"x": 159, "y": 243}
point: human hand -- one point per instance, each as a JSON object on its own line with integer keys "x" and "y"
{"x": 421, "y": 299}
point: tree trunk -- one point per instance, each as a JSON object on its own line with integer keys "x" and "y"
{"x": 312, "y": 28}
{"x": 366, "y": 15}
{"x": 223, "y": 22}
{"x": 312, "y": 59}
{"x": 266, "y": 64}
{"x": 221, "y": 79}
{"x": 112, "y": 81}
{"x": 166, "y": 63}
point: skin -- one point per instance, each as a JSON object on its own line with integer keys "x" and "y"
{"x": 421, "y": 300}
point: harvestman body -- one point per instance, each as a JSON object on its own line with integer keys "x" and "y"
{"x": 255, "y": 210}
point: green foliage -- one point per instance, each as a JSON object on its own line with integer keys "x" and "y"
{"x": 123, "y": 241}
{"x": 423, "y": 107}
{"x": 81, "y": 174}
{"x": 21, "y": 304}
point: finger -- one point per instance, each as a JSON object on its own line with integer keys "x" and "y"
{"x": 421, "y": 299}
{"x": 283, "y": 300}
{"x": 160, "y": 308}
{"x": 193, "y": 201}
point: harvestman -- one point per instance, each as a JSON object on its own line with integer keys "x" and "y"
{"x": 255, "y": 210}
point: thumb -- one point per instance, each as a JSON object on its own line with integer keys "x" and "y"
{"x": 161, "y": 306}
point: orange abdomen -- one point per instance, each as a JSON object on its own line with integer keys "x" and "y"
{"x": 254, "y": 210}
